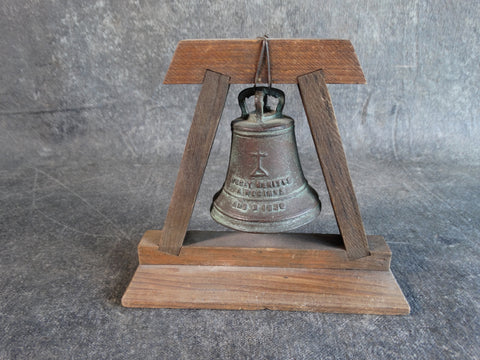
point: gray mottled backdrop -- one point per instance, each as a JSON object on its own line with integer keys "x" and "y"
{"x": 90, "y": 143}
{"x": 84, "y": 78}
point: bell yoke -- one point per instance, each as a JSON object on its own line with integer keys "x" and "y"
{"x": 265, "y": 190}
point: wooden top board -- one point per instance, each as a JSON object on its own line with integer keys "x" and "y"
{"x": 290, "y": 58}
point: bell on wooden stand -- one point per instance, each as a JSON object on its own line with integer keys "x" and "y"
{"x": 265, "y": 190}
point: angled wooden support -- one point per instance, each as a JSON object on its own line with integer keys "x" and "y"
{"x": 323, "y": 125}
{"x": 192, "y": 167}
{"x": 291, "y": 60}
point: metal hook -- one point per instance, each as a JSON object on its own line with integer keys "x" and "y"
{"x": 268, "y": 62}
{"x": 265, "y": 49}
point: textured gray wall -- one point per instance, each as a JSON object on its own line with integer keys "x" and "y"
{"x": 90, "y": 142}
{"x": 82, "y": 80}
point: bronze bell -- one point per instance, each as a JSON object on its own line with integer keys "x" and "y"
{"x": 265, "y": 190}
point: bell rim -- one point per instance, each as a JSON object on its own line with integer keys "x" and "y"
{"x": 265, "y": 227}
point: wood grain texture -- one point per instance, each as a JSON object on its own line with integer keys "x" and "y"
{"x": 255, "y": 288}
{"x": 192, "y": 167}
{"x": 290, "y": 58}
{"x": 326, "y": 137}
{"x": 227, "y": 248}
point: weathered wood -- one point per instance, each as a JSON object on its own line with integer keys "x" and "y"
{"x": 231, "y": 270}
{"x": 326, "y": 136}
{"x": 192, "y": 167}
{"x": 227, "y": 248}
{"x": 290, "y": 58}
{"x": 254, "y": 288}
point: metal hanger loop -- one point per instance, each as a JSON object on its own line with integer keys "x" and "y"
{"x": 265, "y": 51}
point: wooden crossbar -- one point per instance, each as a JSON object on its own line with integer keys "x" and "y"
{"x": 290, "y": 58}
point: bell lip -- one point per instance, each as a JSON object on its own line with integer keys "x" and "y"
{"x": 265, "y": 227}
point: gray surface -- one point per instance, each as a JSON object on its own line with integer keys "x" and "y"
{"x": 69, "y": 249}
{"x": 91, "y": 142}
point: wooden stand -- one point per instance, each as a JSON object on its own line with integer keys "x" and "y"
{"x": 347, "y": 273}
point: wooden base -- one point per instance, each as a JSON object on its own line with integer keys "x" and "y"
{"x": 231, "y": 248}
{"x": 255, "y": 288}
{"x": 240, "y": 271}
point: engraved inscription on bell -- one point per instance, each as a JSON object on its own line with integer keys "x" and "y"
{"x": 265, "y": 189}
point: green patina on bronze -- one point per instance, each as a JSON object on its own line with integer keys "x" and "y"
{"x": 265, "y": 190}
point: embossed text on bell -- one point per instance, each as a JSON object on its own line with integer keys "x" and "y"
{"x": 265, "y": 189}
